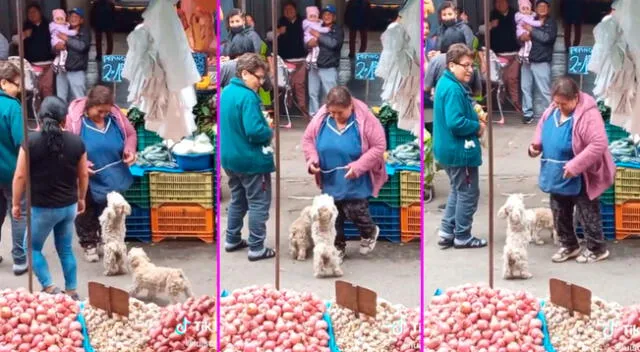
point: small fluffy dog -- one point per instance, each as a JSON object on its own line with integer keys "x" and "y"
{"x": 300, "y": 241}
{"x": 515, "y": 257}
{"x": 112, "y": 222}
{"x": 156, "y": 279}
{"x": 537, "y": 219}
{"x": 326, "y": 260}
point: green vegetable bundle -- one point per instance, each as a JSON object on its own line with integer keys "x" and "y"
{"x": 387, "y": 115}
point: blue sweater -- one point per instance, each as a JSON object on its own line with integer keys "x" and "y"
{"x": 244, "y": 132}
{"x": 10, "y": 136}
{"x": 454, "y": 123}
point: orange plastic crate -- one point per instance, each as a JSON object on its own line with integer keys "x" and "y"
{"x": 627, "y": 220}
{"x": 410, "y": 223}
{"x": 182, "y": 221}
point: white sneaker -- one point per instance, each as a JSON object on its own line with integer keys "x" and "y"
{"x": 20, "y": 269}
{"x": 367, "y": 245}
{"x": 91, "y": 255}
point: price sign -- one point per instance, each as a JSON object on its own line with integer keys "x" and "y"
{"x": 356, "y": 298}
{"x": 579, "y": 57}
{"x": 109, "y": 299}
{"x": 572, "y": 297}
{"x": 366, "y": 65}
{"x": 112, "y": 66}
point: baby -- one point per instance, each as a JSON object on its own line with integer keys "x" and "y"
{"x": 313, "y": 22}
{"x": 60, "y": 25}
{"x": 525, "y": 16}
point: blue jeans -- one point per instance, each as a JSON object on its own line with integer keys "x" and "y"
{"x": 18, "y": 226}
{"x": 321, "y": 80}
{"x": 60, "y": 220}
{"x": 462, "y": 203}
{"x": 71, "y": 85}
{"x": 536, "y": 74}
{"x": 249, "y": 193}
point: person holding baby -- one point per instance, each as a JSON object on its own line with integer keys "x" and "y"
{"x": 536, "y": 69}
{"x": 74, "y": 51}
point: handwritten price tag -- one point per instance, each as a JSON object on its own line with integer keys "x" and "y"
{"x": 366, "y": 65}
{"x": 112, "y": 66}
{"x": 579, "y": 57}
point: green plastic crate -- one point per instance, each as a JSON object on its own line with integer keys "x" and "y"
{"x": 615, "y": 133}
{"x": 138, "y": 194}
{"x": 397, "y": 136}
{"x": 390, "y": 192}
{"x": 146, "y": 138}
{"x": 609, "y": 196}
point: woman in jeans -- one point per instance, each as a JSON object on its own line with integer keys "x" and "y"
{"x": 576, "y": 168}
{"x": 59, "y": 177}
{"x": 110, "y": 140}
{"x": 456, "y": 147}
{"x": 344, "y": 148}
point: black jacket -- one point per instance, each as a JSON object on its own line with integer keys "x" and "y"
{"x": 358, "y": 14}
{"x": 78, "y": 50}
{"x": 543, "y": 40}
{"x": 37, "y": 48}
{"x": 330, "y": 47}
{"x": 247, "y": 41}
{"x": 291, "y": 43}
{"x": 503, "y": 37}
{"x": 102, "y": 15}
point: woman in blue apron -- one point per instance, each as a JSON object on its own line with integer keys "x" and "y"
{"x": 105, "y": 144}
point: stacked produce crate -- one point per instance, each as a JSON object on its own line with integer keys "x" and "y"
{"x": 139, "y": 222}
{"x": 411, "y": 211}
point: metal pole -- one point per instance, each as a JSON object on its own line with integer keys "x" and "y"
{"x": 276, "y": 121}
{"x": 25, "y": 132}
{"x": 487, "y": 45}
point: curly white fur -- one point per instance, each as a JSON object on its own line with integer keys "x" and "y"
{"x": 300, "y": 241}
{"x": 326, "y": 261}
{"x": 515, "y": 256}
{"x": 156, "y": 279}
{"x": 540, "y": 219}
{"x": 112, "y": 222}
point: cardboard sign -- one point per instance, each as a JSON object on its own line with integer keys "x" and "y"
{"x": 356, "y": 298}
{"x": 578, "y": 62}
{"x": 366, "y": 65}
{"x": 112, "y": 66}
{"x": 109, "y": 299}
{"x": 572, "y": 297}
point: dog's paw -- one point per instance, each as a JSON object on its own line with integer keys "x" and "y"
{"x": 526, "y": 276}
{"x": 338, "y": 272}
{"x": 540, "y": 242}
{"x": 301, "y": 258}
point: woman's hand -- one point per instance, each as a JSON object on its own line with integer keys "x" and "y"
{"x": 567, "y": 174}
{"x": 282, "y": 30}
{"x": 82, "y": 206}
{"x": 314, "y": 169}
{"x": 483, "y": 127}
{"x": 534, "y": 150}
{"x": 130, "y": 158}
{"x": 351, "y": 174}
{"x": 16, "y": 212}
{"x": 63, "y": 36}
{"x": 91, "y": 171}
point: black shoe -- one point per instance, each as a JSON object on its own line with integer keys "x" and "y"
{"x": 472, "y": 243}
{"x": 267, "y": 254}
{"x": 527, "y": 120}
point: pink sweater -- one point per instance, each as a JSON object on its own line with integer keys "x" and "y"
{"x": 74, "y": 123}
{"x": 590, "y": 146}
{"x": 373, "y": 145}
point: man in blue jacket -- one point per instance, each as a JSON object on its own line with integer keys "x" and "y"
{"x": 247, "y": 157}
{"x": 72, "y": 84}
{"x": 456, "y": 132}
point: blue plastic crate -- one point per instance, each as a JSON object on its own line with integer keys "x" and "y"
{"x": 608, "y": 222}
{"x": 139, "y": 225}
{"x": 386, "y": 217}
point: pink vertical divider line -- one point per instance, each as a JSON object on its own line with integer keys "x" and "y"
{"x": 218, "y": 173}
{"x": 422, "y": 174}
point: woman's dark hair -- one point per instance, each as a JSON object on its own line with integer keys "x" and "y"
{"x": 289, "y": 3}
{"x": 233, "y": 13}
{"x": 35, "y": 5}
{"x": 565, "y": 87}
{"x": 52, "y": 115}
{"x": 339, "y": 96}
{"x": 250, "y": 62}
{"x": 456, "y": 52}
{"x": 9, "y": 71}
{"x": 445, "y": 5}
{"x": 99, "y": 95}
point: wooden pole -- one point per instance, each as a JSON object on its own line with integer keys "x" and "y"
{"x": 25, "y": 132}
{"x": 276, "y": 120}
{"x": 487, "y": 45}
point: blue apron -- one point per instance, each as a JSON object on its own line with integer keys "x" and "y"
{"x": 105, "y": 149}
{"x": 556, "y": 152}
{"x": 337, "y": 149}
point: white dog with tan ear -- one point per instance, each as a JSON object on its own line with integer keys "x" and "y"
{"x": 114, "y": 230}
{"x": 515, "y": 256}
{"x": 326, "y": 260}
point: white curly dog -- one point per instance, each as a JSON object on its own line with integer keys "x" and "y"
{"x": 515, "y": 257}
{"x": 326, "y": 260}
{"x": 156, "y": 279}
{"x": 112, "y": 223}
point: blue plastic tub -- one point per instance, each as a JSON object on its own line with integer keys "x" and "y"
{"x": 195, "y": 162}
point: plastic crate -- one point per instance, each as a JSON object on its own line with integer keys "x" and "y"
{"x": 627, "y": 220}
{"x": 390, "y": 192}
{"x": 411, "y": 223}
{"x": 608, "y": 222}
{"x": 615, "y": 133}
{"x": 182, "y": 221}
{"x": 146, "y": 138}
{"x": 397, "y": 136}
{"x": 609, "y": 196}
{"x": 387, "y": 219}
{"x": 183, "y": 188}
{"x": 627, "y": 185}
{"x": 138, "y": 194}
{"x": 410, "y": 188}
{"x": 139, "y": 224}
